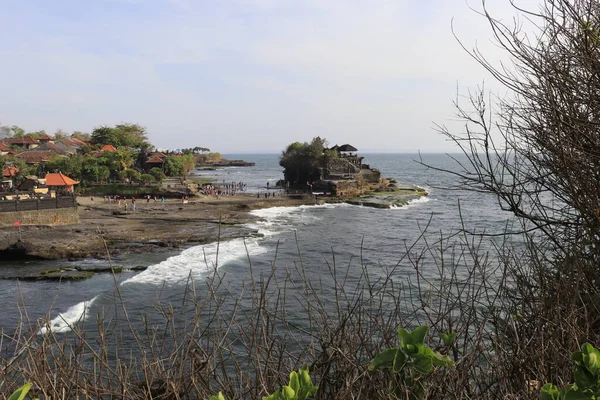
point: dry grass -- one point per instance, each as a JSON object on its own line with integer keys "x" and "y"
{"x": 516, "y": 326}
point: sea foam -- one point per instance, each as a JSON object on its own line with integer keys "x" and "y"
{"x": 64, "y": 321}
{"x": 197, "y": 261}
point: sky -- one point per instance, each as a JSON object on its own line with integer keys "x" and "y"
{"x": 245, "y": 76}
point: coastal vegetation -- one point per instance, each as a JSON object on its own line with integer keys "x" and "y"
{"x": 303, "y": 162}
{"x": 507, "y": 319}
{"x": 109, "y": 155}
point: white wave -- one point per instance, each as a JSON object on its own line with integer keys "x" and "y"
{"x": 197, "y": 261}
{"x": 65, "y": 321}
{"x": 412, "y": 203}
{"x": 275, "y": 220}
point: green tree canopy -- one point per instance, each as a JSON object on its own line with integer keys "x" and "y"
{"x": 122, "y": 135}
{"x": 302, "y": 162}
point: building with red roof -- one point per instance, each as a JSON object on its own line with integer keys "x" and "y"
{"x": 60, "y": 181}
{"x": 108, "y": 147}
{"x": 26, "y": 142}
{"x": 46, "y": 139}
{"x": 36, "y": 157}
{"x": 4, "y": 149}
{"x": 10, "y": 172}
{"x": 155, "y": 160}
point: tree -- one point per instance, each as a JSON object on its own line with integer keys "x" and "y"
{"x": 538, "y": 151}
{"x": 541, "y": 156}
{"x": 86, "y": 137}
{"x": 122, "y": 135}
{"x": 173, "y": 165}
{"x": 70, "y": 166}
{"x": 17, "y": 131}
{"x": 187, "y": 163}
{"x": 158, "y": 174}
{"x": 302, "y": 162}
{"x": 130, "y": 175}
{"x": 36, "y": 134}
{"x": 147, "y": 178}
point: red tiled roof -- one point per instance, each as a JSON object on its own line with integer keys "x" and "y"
{"x": 4, "y": 147}
{"x": 71, "y": 142}
{"x": 10, "y": 171}
{"x": 21, "y": 140}
{"x": 58, "y": 179}
{"x": 108, "y": 147}
{"x": 155, "y": 158}
{"x": 36, "y": 157}
{"x": 78, "y": 141}
{"x": 46, "y": 137}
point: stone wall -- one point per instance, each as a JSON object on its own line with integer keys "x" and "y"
{"x": 57, "y": 216}
{"x": 340, "y": 167}
{"x": 37, "y": 204}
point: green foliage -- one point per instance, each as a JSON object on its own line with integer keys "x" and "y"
{"x": 188, "y": 163}
{"x": 21, "y": 392}
{"x": 587, "y": 378}
{"x": 173, "y": 165}
{"x": 300, "y": 387}
{"x": 147, "y": 178}
{"x": 217, "y": 397}
{"x": 413, "y": 360}
{"x": 158, "y": 174}
{"x": 71, "y": 166}
{"x": 301, "y": 161}
{"x": 122, "y": 135}
{"x": 131, "y": 175}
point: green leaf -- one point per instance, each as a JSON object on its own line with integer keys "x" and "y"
{"x": 304, "y": 377}
{"x": 424, "y": 351}
{"x": 577, "y": 358}
{"x": 419, "y": 334}
{"x": 294, "y": 381}
{"x": 288, "y": 393}
{"x": 549, "y": 392}
{"x": 571, "y": 393}
{"x": 383, "y": 360}
{"x": 423, "y": 365}
{"x": 21, "y": 392}
{"x": 448, "y": 338}
{"x": 307, "y": 389}
{"x": 405, "y": 337}
{"x": 591, "y": 359}
{"x": 583, "y": 379}
{"x": 411, "y": 348}
{"x": 274, "y": 396}
{"x": 399, "y": 361}
{"x": 441, "y": 360}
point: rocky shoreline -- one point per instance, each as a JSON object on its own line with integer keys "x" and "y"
{"x": 104, "y": 229}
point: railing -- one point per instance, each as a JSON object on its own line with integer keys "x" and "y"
{"x": 37, "y": 204}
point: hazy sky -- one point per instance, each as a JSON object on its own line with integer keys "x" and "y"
{"x": 242, "y": 75}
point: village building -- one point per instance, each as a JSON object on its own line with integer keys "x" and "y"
{"x": 60, "y": 182}
{"x": 4, "y": 149}
{"x": 70, "y": 146}
{"x": 25, "y": 142}
{"x": 46, "y": 139}
{"x": 8, "y": 175}
{"x": 155, "y": 160}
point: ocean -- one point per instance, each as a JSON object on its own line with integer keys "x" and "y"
{"x": 315, "y": 237}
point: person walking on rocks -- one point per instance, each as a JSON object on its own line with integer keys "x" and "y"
{"x": 133, "y": 203}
